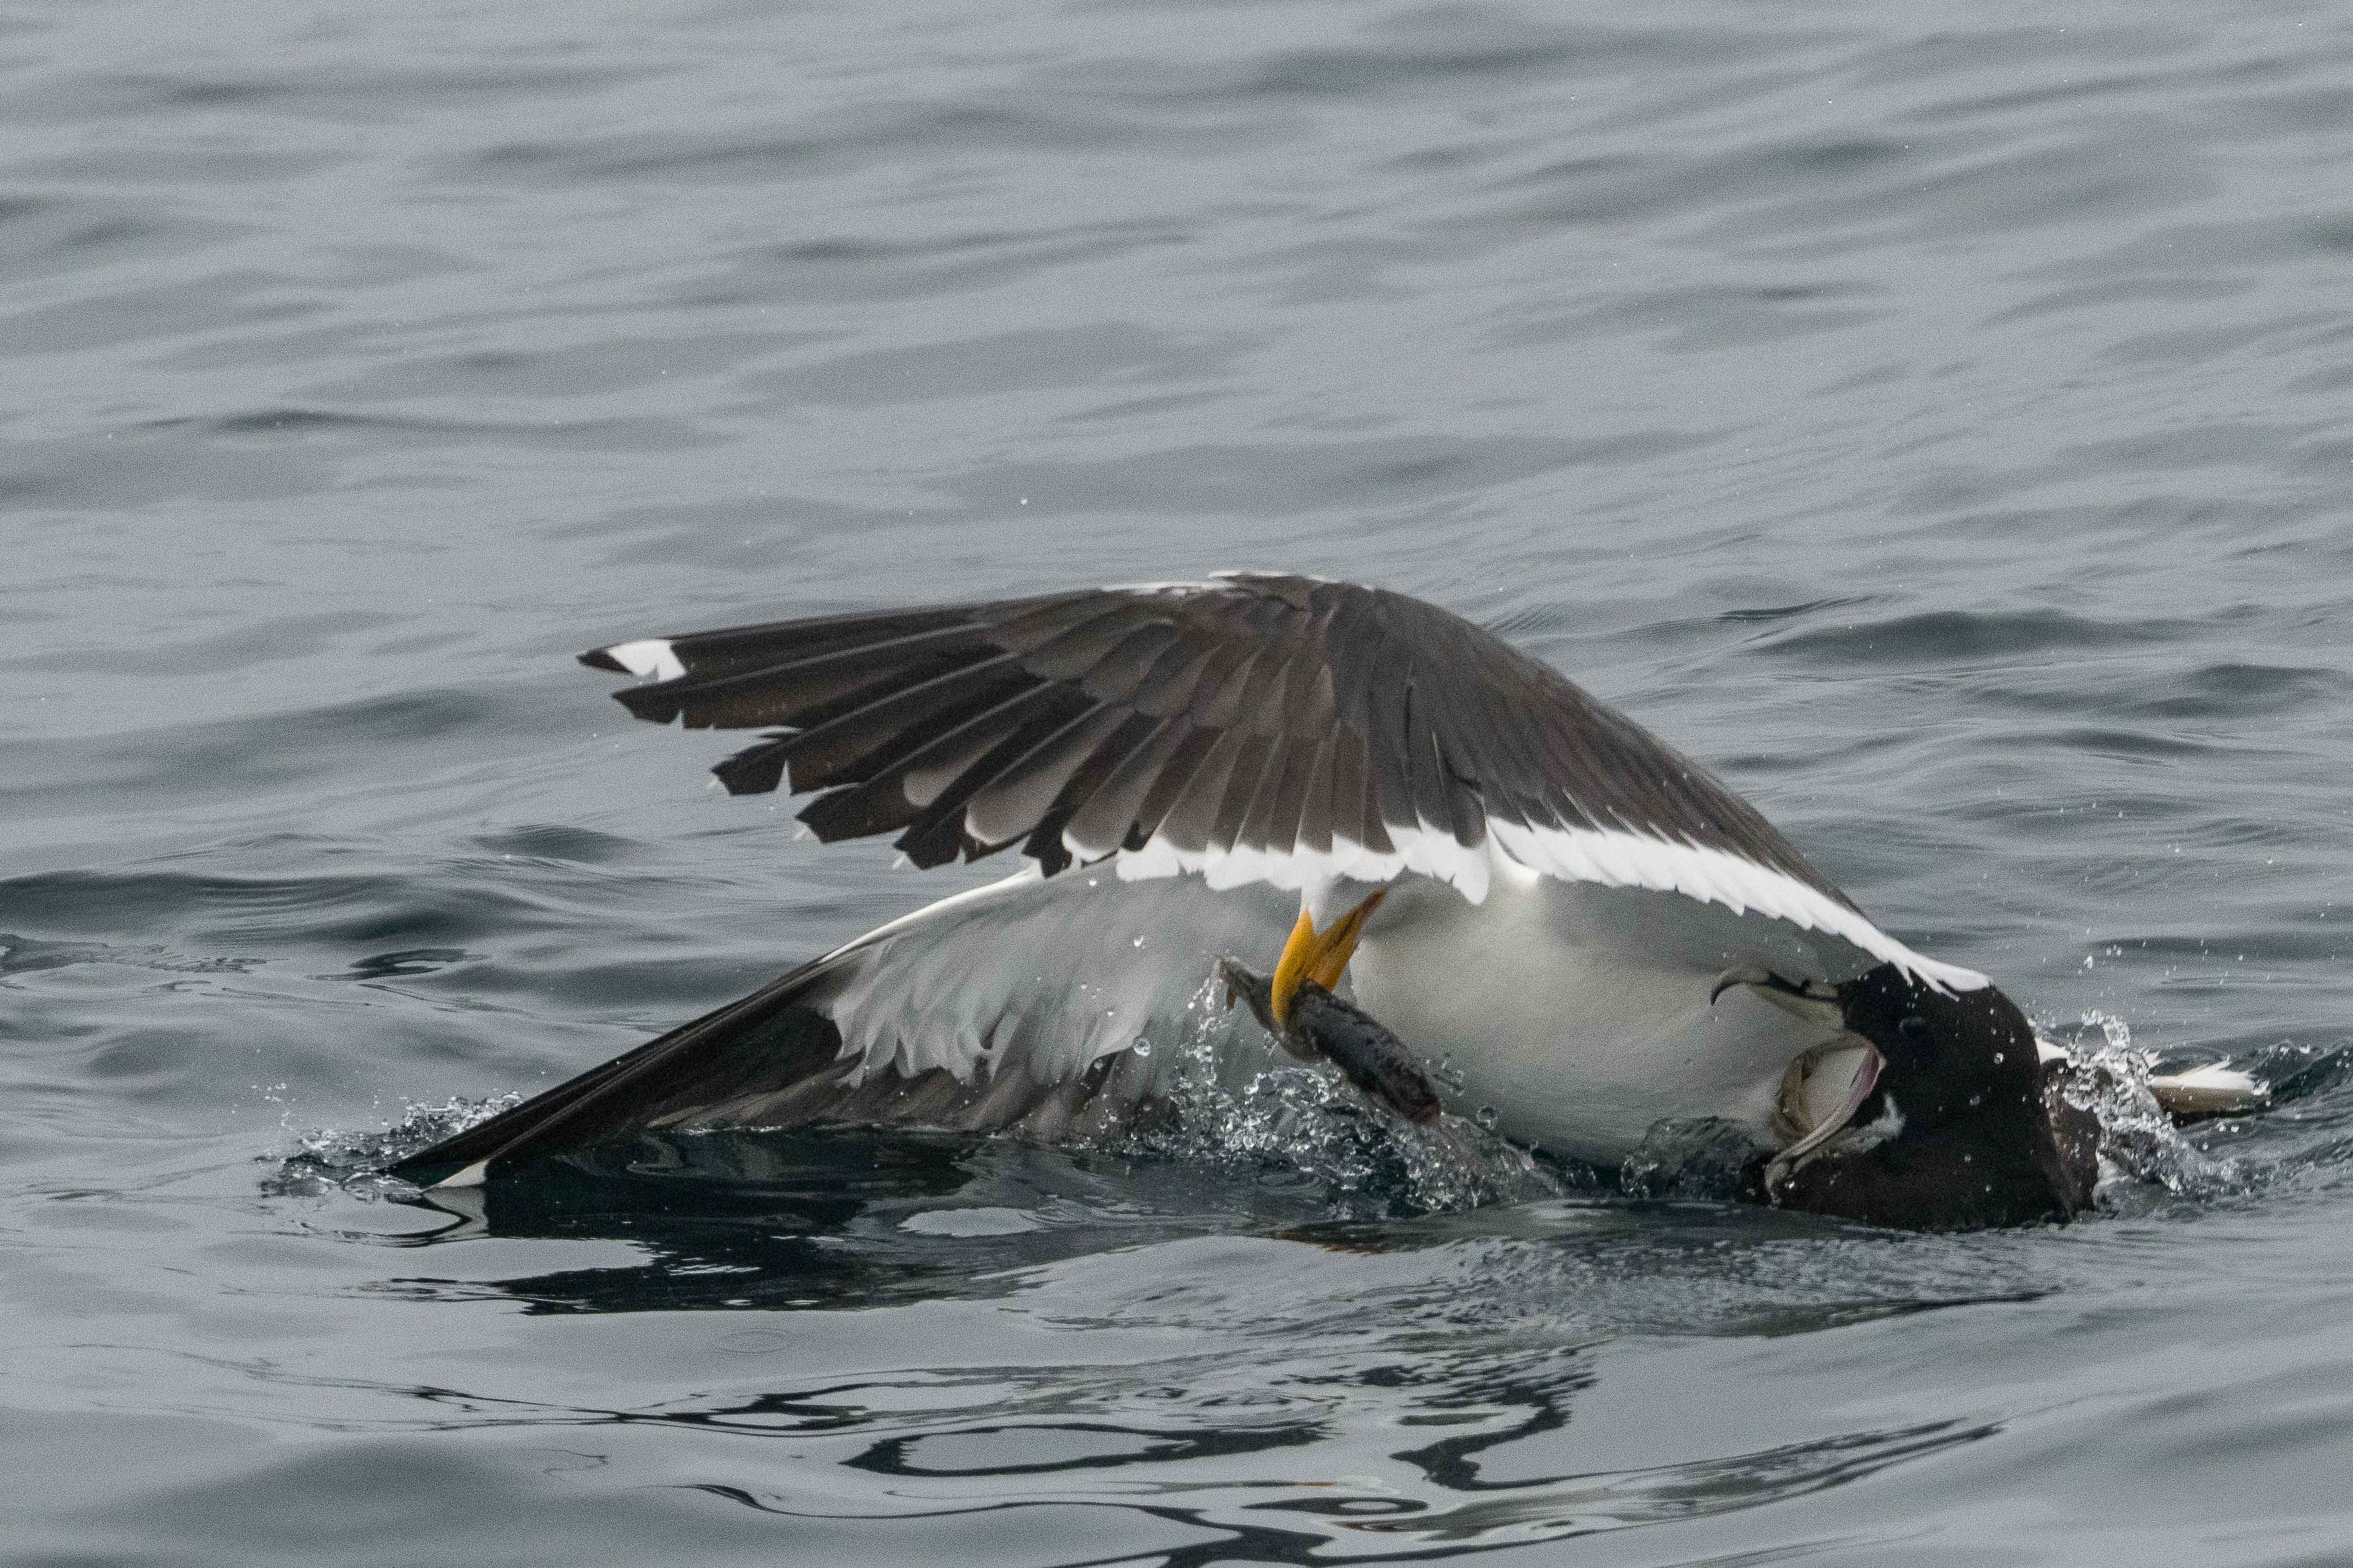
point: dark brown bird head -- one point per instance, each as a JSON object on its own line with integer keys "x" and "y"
{"x": 1948, "y": 1129}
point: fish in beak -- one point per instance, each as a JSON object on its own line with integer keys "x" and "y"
{"x": 1315, "y": 1026}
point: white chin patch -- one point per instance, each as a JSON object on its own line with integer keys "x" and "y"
{"x": 647, "y": 656}
{"x": 1858, "y": 1139}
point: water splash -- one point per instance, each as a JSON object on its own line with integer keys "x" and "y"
{"x": 1232, "y": 1099}
{"x": 330, "y": 1160}
{"x": 2108, "y": 1076}
{"x": 1699, "y": 1157}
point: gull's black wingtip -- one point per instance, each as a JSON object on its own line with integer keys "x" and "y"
{"x": 601, "y": 658}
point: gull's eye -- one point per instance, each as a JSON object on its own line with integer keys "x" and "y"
{"x": 1913, "y": 1027}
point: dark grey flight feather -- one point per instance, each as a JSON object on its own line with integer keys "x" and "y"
{"x": 939, "y": 1024}
{"x": 773, "y": 1060}
{"x": 1264, "y": 713}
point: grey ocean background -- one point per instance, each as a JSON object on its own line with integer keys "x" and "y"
{"x": 1934, "y": 418}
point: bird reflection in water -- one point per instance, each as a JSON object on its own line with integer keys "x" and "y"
{"x": 1342, "y": 1440}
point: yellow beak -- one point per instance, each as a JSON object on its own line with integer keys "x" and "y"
{"x": 1321, "y": 956}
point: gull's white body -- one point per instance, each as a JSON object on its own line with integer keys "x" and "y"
{"x": 1579, "y": 1013}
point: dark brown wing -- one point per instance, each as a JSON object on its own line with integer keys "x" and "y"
{"x": 1247, "y": 716}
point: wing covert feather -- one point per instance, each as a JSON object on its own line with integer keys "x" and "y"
{"x": 1270, "y": 727}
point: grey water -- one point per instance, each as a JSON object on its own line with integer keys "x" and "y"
{"x": 1935, "y": 419}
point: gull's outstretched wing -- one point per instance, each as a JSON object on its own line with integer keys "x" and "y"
{"x": 1301, "y": 733}
{"x": 1013, "y": 1006}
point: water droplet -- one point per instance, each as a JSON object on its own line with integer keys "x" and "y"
{"x": 1488, "y": 1116}
{"x": 1997, "y": 1058}
{"x": 1143, "y": 1047}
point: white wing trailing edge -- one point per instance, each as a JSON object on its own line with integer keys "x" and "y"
{"x": 647, "y": 656}
{"x": 1312, "y": 736}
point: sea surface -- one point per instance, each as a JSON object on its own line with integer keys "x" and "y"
{"x": 1938, "y": 420}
